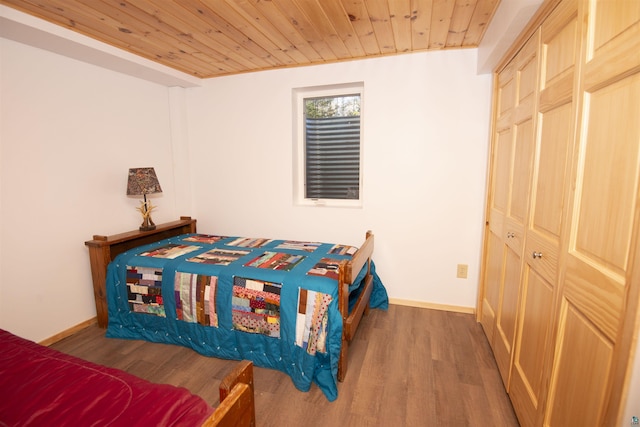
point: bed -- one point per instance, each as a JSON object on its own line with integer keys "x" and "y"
{"x": 286, "y": 305}
{"x": 42, "y": 386}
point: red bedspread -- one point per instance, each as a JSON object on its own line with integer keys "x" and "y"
{"x": 41, "y": 386}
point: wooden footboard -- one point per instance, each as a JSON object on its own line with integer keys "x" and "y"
{"x": 104, "y": 249}
{"x": 237, "y": 405}
{"x": 349, "y": 271}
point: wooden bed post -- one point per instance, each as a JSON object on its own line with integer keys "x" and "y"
{"x": 240, "y": 409}
{"x": 343, "y": 306}
{"x": 349, "y": 271}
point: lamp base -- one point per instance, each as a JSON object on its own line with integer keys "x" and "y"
{"x": 147, "y": 224}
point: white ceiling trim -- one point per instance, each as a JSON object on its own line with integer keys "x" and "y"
{"x": 36, "y": 32}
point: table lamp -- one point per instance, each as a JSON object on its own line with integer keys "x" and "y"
{"x": 143, "y": 181}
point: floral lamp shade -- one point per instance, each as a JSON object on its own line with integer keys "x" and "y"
{"x": 143, "y": 181}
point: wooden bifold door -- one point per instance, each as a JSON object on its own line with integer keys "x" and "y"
{"x": 558, "y": 298}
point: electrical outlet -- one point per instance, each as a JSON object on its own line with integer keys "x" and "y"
{"x": 462, "y": 271}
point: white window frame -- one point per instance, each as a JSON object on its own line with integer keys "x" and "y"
{"x": 299, "y": 95}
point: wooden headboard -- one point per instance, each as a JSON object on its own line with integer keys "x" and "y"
{"x": 103, "y": 250}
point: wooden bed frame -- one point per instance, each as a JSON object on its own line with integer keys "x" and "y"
{"x": 237, "y": 405}
{"x": 104, "y": 249}
{"x": 34, "y": 398}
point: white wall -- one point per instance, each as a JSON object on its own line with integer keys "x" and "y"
{"x": 508, "y": 21}
{"x": 426, "y": 119}
{"x": 69, "y": 131}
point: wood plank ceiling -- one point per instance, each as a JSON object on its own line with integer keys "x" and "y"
{"x": 210, "y": 38}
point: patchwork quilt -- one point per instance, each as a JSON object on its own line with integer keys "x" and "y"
{"x": 273, "y": 302}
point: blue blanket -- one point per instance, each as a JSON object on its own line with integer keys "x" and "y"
{"x": 273, "y": 302}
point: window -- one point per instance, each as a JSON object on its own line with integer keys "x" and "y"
{"x": 327, "y": 149}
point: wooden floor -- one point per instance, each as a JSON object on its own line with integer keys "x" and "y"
{"x": 407, "y": 367}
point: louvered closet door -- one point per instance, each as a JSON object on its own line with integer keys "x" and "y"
{"x": 498, "y": 201}
{"x": 591, "y": 349}
{"x": 532, "y": 356}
